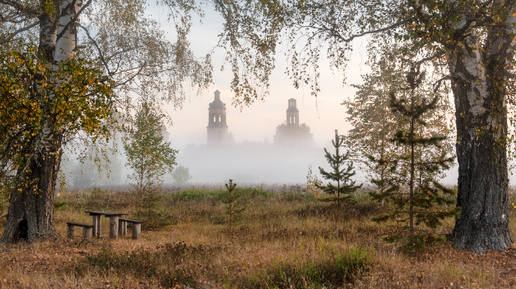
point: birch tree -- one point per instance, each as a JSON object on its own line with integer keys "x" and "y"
{"x": 181, "y": 175}
{"x": 368, "y": 111}
{"x": 118, "y": 47}
{"x": 374, "y": 124}
{"x": 149, "y": 156}
{"x": 471, "y": 45}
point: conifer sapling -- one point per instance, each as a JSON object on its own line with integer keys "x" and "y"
{"x": 232, "y": 198}
{"x": 341, "y": 173}
{"x": 416, "y": 196}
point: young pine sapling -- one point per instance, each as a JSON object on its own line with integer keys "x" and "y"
{"x": 415, "y": 195}
{"x": 341, "y": 173}
{"x": 233, "y": 211}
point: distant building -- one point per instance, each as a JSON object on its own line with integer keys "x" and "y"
{"x": 291, "y": 134}
{"x": 217, "y": 126}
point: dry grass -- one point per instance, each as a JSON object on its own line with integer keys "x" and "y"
{"x": 284, "y": 240}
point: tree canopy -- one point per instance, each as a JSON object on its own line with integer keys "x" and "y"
{"x": 82, "y": 103}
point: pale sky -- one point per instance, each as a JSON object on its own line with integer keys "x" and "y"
{"x": 258, "y": 121}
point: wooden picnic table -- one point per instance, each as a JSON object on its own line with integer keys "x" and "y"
{"x": 113, "y": 222}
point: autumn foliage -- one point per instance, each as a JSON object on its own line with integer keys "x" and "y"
{"x": 73, "y": 95}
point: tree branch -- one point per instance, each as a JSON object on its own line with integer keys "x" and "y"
{"x": 140, "y": 69}
{"x": 101, "y": 55}
{"x": 74, "y": 19}
{"x": 10, "y": 36}
{"x": 333, "y": 32}
{"x": 20, "y": 7}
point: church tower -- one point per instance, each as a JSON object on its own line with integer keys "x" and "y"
{"x": 292, "y": 112}
{"x": 217, "y": 127}
{"x": 292, "y": 134}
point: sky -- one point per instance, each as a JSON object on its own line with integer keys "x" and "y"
{"x": 258, "y": 121}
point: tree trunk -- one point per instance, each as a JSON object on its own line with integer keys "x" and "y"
{"x": 479, "y": 87}
{"x": 412, "y": 168}
{"x": 482, "y": 187}
{"x": 67, "y": 30}
{"x": 31, "y": 206}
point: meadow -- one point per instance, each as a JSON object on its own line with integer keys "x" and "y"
{"x": 285, "y": 238}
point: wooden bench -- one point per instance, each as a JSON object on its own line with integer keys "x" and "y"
{"x": 113, "y": 222}
{"x": 137, "y": 227}
{"x": 87, "y": 230}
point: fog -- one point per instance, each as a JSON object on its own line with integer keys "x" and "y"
{"x": 217, "y": 157}
{"x": 250, "y": 163}
{"x": 247, "y": 163}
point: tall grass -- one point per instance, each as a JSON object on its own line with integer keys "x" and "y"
{"x": 286, "y": 239}
{"x": 165, "y": 265}
{"x": 332, "y": 271}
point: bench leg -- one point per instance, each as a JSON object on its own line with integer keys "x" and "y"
{"x": 87, "y": 232}
{"x": 70, "y": 232}
{"x": 96, "y": 225}
{"x": 122, "y": 228}
{"x": 113, "y": 227}
{"x": 137, "y": 231}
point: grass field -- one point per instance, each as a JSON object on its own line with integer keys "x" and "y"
{"x": 284, "y": 239}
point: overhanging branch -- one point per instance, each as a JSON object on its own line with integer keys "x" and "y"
{"x": 25, "y": 9}
{"x": 101, "y": 55}
{"x": 10, "y": 36}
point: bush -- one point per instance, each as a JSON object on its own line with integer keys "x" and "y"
{"x": 251, "y": 193}
{"x": 97, "y": 200}
{"x": 417, "y": 242}
{"x": 199, "y": 195}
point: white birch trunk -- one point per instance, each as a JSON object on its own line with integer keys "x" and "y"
{"x": 67, "y": 30}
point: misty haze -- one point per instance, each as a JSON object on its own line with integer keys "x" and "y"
{"x": 284, "y": 160}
